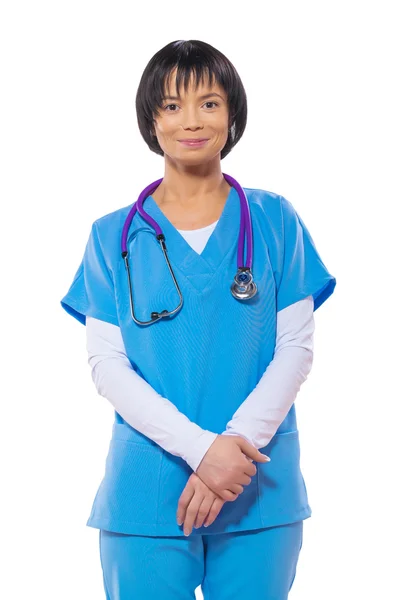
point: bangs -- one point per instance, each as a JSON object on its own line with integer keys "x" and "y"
{"x": 189, "y": 70}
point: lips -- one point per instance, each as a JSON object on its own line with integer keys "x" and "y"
{"x": 194, "y": 140}
{"x": 194, "y": 143}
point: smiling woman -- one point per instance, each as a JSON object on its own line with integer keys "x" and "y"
{"x": 203, "y": 395}
{"x": 207, "y": 77}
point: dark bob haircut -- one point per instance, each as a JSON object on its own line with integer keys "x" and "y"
{"x": 201, "y": 59}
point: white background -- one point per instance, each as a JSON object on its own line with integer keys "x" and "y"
{"x": 323, "y": 130}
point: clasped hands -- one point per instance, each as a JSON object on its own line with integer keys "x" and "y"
{"x": 226, "y": 467}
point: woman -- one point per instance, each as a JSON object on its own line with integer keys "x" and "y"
{"x": 202, "y": 481}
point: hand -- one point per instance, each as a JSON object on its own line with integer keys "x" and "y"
{"x": 227, "y": 465}
{"x": 197, "y": 505}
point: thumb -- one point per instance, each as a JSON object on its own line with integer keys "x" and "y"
{"x": 252, "y": 452}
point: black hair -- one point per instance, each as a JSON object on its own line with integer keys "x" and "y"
{"x": 199, "y": 58}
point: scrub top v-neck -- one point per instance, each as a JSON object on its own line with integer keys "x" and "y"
{"x": 220, "y": 242}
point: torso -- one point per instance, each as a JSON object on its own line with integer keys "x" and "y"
{"x": 196, "y": 217}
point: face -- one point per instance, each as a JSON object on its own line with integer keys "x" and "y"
{"x": 201, "y": 113}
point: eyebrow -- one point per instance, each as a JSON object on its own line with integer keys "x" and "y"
{"x": 200, "y": 97}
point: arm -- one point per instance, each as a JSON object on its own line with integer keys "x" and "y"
{"x": 157, "y": 418}
{"x": 259, "y": 416}
{"x": 136, "y": 401}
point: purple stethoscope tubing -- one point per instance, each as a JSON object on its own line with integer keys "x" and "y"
{"x": 243, "y": 287}
{"x": 245, "y": 220}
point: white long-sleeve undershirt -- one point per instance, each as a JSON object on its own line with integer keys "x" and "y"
{"x": 257, "y": 418}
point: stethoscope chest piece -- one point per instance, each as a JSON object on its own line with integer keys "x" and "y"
{"x": 243, "y": 286}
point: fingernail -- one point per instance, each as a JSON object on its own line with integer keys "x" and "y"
{"x": 179, "y": 522}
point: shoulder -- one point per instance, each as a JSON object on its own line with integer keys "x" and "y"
{"x": 107, "y": 230}
{"x": 266, "y": 207}
{"x": 268, "y": 202}
{"x": 110, "y": 225}
{"x": 112, "y": 221}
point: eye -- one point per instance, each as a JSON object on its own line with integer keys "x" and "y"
{"x": 166, "y": 107}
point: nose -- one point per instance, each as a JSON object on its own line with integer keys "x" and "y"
{"x": 191, "y": 119}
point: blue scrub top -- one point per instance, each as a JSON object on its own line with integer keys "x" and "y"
{"x": 206, "y": 359}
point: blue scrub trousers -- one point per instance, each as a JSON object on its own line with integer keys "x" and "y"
{"x": 258, "y": 564}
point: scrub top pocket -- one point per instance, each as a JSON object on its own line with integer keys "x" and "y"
{"x": 129, "y": 490}
{"x": 282, "y": 491}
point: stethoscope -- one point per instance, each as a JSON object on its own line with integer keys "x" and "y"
{"x": 243, "y": 286}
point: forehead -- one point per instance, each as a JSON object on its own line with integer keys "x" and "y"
{"x": 200, "y": 86}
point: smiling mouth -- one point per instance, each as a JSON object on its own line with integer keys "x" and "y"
{"x": 193, "y": 142}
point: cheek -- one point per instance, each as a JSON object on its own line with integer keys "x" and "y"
{"x": 163, "y": 126}
{"x": 221, "y": 135}
{"x": 220, "y": 129}
{"x": 167, "y": 132}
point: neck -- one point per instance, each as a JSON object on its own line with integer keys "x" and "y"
{"x": 187, "y": 186}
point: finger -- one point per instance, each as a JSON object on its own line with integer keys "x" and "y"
{"x": 236, "y": 488}
{"x": 227, "y": 495}
{"x": 250, "y": 469}
{"x": 191, "y": 512}
{"x": 243, "y": 480}
{"x": 214, "y": 511}
{"x": 204, "y": 510}
{"x": 183, "y": 502}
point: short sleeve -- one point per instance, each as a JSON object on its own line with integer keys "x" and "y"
{"x": 92, "y": 290}
{"x": 302, "y": 271}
